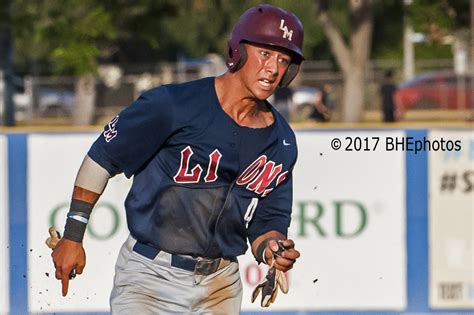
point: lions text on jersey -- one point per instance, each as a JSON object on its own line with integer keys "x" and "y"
{"x": 202, "y": 184}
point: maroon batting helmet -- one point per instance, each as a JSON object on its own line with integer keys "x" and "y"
{"x": 268, "y": 25}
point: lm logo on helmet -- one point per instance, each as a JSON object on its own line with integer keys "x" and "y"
{"x": 286, "y": 33}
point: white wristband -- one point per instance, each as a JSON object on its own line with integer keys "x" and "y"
{"x": 78, "y": 218}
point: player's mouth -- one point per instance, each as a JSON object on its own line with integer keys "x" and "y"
{"x": 266, "y": 84}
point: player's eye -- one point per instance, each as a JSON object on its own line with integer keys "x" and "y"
{"x": 284, "y": 61}
{"x": 264, "y": 53}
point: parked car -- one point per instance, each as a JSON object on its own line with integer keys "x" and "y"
{"x": 303, "y": 100}
{"x": 438, "y": 90}
{"x": 21, "y": 100}
{"x": 55, "y": 102}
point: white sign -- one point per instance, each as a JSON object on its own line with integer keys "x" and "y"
{"x": 348, "y": 223}
{"x": 53, "y": 164}
{"x": 4, "y": 252}
{"x": 451, "y": 221}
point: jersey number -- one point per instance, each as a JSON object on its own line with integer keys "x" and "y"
{"x": 250, "y": 211}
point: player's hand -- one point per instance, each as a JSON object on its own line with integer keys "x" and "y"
{"x": 68, "y": 256}
{"x": 284, "y": 255}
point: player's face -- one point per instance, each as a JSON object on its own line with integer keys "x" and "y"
{"x": 263, "y": 69}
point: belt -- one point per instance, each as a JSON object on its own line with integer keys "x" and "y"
{"x": 200, "y": 265}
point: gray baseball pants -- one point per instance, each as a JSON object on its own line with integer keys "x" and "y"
{"x": 153, "y": 286}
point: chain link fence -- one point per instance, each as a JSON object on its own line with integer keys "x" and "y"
{"x": 42, "y": 98}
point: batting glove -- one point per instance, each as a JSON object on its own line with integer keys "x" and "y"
{"x": 274, "y": 279}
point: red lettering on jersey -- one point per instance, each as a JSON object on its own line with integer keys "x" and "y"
{"x": 183, "y": 176}
{"x": 214, "y": 159}
{"x": 266, "y": 176}
{"x": 251, "y": 172}
{"x": 281, "y": 178}
{"x": 266, "y": 192}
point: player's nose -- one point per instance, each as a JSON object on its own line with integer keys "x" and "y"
{"x": 271, "y": 66}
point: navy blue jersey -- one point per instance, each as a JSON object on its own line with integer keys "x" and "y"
{"x": 202, "y": 184}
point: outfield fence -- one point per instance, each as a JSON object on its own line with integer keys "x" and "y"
{"x": 384, "y": 223}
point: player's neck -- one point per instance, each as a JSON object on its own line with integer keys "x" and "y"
{"x": 243, "y": 108}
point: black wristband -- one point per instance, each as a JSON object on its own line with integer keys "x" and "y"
{"x": 76, "y": 222}
{"x": 74, "y": 230}
{"x": 259, "y": 252}
{"x": 81, "y": 206}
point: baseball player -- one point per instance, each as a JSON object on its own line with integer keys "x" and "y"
{"x": 212, "y": 165}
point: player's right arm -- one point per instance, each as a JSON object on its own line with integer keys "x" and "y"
{"x": 128, "y": 141}
{"x": 69, "y": 253}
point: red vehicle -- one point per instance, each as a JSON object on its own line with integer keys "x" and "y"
{"x": 439, "y": 90}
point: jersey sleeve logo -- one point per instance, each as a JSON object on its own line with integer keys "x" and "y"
{"x": 110, "y": 131}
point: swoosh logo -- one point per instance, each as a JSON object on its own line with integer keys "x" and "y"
{"x": 286, "y": 143}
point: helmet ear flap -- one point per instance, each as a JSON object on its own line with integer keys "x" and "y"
{"x": 289, "y": 75}
{"x": 236, "y": 57}
{"x": 243, "y": 56}
{"x": 232, "y": 56}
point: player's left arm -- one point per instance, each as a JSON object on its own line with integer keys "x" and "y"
{"x": 269, "y": 227}
{"x": 266, "y": 248}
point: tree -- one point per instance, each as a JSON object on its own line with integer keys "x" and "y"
{"x": 203, "y": 26}
{"x": 73, "y": 35}
{"x": 70, "y": 34}
{"x": 352, "y": 55}
{"x": 445, "y": 25}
